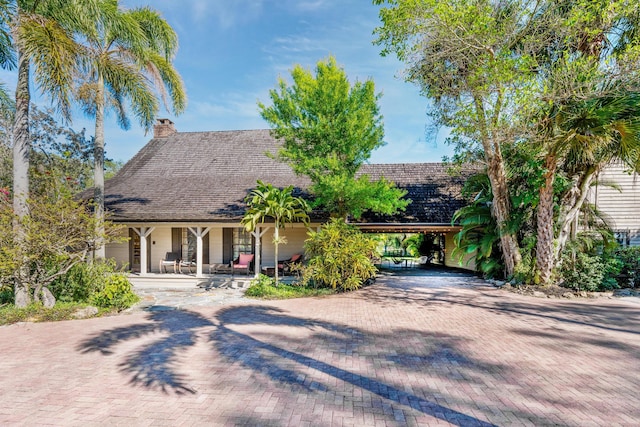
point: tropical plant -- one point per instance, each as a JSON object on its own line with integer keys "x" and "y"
{"x": 127, "y": 57}
{"x": 513, "y": 62}
{"x": 340, "y": 257}
{"x": 479, "y": 238}
{"x": 479, "y": 84}
{"x": 329, "y": 129}
{"x": 267, "y": 201}
{"x": 38, "y": 35}
{"x": 584, "y": 136}
{"x": 584, "y": 272}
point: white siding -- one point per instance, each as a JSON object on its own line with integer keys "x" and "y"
{"x": 160, "y": 245}
{"x": 621, "y": 205}
{"x": 215, "y": 246}
{"x": 295, "y": 244}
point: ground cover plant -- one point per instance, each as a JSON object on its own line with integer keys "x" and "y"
{"x": 265, "y": 287}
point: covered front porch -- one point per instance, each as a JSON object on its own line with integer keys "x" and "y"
{"x": 201, "y": 251}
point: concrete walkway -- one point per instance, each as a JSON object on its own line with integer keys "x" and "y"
{"x": 409, "y": 350}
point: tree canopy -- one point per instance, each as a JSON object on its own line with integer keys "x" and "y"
{"x": 127, "y": 57}
{"x": 329, "y": 127}
{"x": 505, "y": 74}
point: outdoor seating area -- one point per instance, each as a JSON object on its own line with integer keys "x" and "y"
{"x": 171, "y": 259}
{"x": 243, "y": 264}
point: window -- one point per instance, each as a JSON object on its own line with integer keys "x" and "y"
{"x": 184, "y": 242}
{"x": 623, "y": 237}
{"x": 242, "y": 242}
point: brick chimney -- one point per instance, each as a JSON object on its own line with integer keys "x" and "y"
{"x": 163, "y": 128}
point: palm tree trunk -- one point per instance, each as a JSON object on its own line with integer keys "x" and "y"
{"x": 544, "y": 245}
{"x": 21, "y": 143}
{"x": 276, "y": 241}
{"x": 98, "y": 171}
{"x": 21, "y": 148}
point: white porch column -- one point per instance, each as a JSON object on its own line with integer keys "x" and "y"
{"x": 199, "y": 232}
{"x": 258, "y": 233}
{"x": 143, "y": 232}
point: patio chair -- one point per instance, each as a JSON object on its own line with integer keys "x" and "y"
{"x": 191, "y": 264}
{"x": 170, "y": 259}
{"x": 285, "y": 266}
{"x": 243, "y": 263}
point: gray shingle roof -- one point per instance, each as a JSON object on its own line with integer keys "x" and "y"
{"x": 205, "y": 176}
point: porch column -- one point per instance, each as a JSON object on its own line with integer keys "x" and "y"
{"x": 258, "y": 233}
{"x": 199, "y": 232}
{"x": 143, "y": 232}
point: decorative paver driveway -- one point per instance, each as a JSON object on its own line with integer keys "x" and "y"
{"x": 407, "y": 351}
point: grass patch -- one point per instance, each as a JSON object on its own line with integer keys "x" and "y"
{"x": 38, "y": 313}
{"x": 266, "y": 290}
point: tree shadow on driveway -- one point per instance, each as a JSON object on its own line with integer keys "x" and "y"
{"x": 285, "y": 350}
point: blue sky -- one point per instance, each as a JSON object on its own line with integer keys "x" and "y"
{"x": 233, "y": 51}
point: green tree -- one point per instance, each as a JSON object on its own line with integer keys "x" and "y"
{"x": 500, "y": 73}
{"x": 588, "y": 106}
{"x": 267, "y": 201}
{"x": 128, "y": 56}
{"x": 475, "y": 62}
{"x": 584, "y": 136}
{"x": 38, "y": 34}
{"x": 329, "y": 129}
{"x": 56, "y": 235}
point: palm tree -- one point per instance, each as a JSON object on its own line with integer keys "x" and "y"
{"x": 41, "y": 34}
{"x": 127, "y": 58}
{"x": 38, "y": 36}
{"x": 266, "y": 201}
{"x": 586, "y": 136}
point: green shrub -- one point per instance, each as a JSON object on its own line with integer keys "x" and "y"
{"x": 117, "y": 293}
{"x": 340, "y": 257}
{"x": 264, "y": 287}
{"x": 79, "y": 283}
{"x": 629, "y": 274}
{"x": 582, "y": 272}
{"x": 6, "y": 294}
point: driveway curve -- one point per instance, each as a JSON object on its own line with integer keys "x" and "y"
{"x": 443, "y": 349}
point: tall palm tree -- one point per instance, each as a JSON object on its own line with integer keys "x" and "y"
{"x": 266, "y": 201}
{"x": 38, "y": 36}
{"x": 41, "y": 35}
{"x": 128, "y": 58}
{"x": 586, "y": 136}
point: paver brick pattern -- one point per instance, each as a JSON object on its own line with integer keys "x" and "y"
{"x": 410, "y": 350}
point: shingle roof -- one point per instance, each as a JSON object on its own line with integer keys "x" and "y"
{"x": 205, "y": 176}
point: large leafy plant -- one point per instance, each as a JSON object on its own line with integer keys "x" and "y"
{"x": 340, "y": 257}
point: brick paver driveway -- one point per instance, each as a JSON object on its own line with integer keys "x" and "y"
{"x": 406, "y": 351}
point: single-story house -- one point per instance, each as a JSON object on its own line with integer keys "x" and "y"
{"x": 184, "y": 193}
